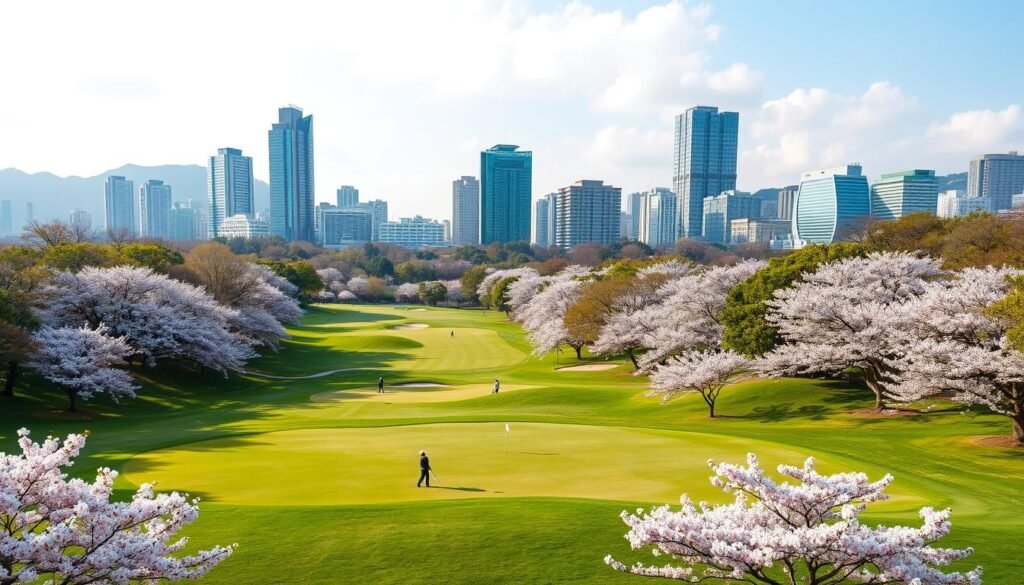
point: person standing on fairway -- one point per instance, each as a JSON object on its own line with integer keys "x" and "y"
{"x": 380, "y": 385}
{"x": 453, "y": 333}
{"x": 497, "y": 386}
{"x": 424, "y": 469}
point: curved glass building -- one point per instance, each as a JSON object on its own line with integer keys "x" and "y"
{"x": 827, "y": 204}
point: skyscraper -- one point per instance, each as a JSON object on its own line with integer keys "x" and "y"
{"x": 506, "y": 183}
{"x": 6, "y": 217}
{"x": 291, "y": 176}
{"x": 348, "y": 196}
{"x": 80, "y": 219}
{"x": 947, "y": 202}
{"x": 540, "y": 218}
{"x": 656, "y": 215}
{"x": 465, "y": 211}
{"x": 719, "y": 212}
{"x": 587, "y": 211}
{"x": 903, "y": 193}
{"x": 633, "y": 203}
{"x": 998, "y": 176}
{"x": 379, "y": 215}
{"x": 786, "y": 198}
{"x": 229, "y": 186}
{"x": 182, "y": 223}
{"x": 119, "y": 203}
{"x": 704, "y": 162}
{"x": 828, "y": 204}
{"x": 155, "y": 209}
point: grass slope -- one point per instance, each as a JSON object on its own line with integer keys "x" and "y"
{"x": 314, "y": 477}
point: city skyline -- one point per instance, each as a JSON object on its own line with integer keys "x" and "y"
{"x": 614, "y": 123}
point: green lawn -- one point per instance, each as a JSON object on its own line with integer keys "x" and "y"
{"x": 314, "y": 476}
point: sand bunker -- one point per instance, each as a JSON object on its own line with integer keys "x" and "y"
{"x": 408, "y": 326}
{"x": 588, "y": 368}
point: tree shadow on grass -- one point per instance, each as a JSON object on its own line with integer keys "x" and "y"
{"x": 784, "y": 412}
{"x": 457, "y": 489}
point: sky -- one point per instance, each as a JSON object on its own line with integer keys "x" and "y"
{"x": 405, "y": 94}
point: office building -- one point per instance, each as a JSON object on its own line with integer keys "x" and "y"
{"x": 229, "y": 187}
{"x": 721, "y": 209}
{"x": 379, "y": 214}
{"x": 632, "y": 225}
{"x": 154, "y": 209}
{"x": 540, "y": 219}
{"x": 703, "y": 163}
{"x": 291, "y": 176}
{"x": 904, "y": 192}
{"x": 447, "y": 223}
{"x": 829, "y": 203}
{"x": 969, "y": 205}
{"x": 587, "y": 211}
{"x": 657, "y": 217}
{"x": 465, "y": 211}
{"x": 758, "y": 231}
{"x": 339, "y": 227}
{"x": 786, "y": 198}
{"x": 244, "y": 226}
{"x": 6, "y": 218}
{"x": 946, "y": 205}
{"x": 769, "y": 208}
{"x": 996, "y": 176}
{"x": 348, "y": 196}
{"x": 506, "y": 194}
{"x": 412, "y": 233}
{"x": 119, "y": 205}
{"x": 80, "y": 219}
{"x": 182, "y": 222}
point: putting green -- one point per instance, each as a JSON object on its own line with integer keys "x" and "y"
{"x": 409, "y": 393}
{"x": 361, "y": 466}
{"x": 431, "y": 348}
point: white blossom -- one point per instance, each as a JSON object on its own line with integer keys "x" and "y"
{"x": 81, "y": 361}
{"x": 704, "y": 372}
{"x": 407, "y": 293}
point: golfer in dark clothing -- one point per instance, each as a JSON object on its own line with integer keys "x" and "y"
{"x": 424, "y": 469}
{"x": 380, "y": 385}
{"x": 497, "y": 386}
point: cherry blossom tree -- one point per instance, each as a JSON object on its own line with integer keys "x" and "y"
{"x": 807, "y": 531}
{"x": 81, "y": 362}
{"x": 68, "y": 531}
{"x": 543, "y": 316}
{"x": 454, "y": 288}
{"x": 704, "y": 372}
{"x": 848, "y": 314}
{"x": 347, "y": 296}
{"x": 265, "y": 307}
{"x": 407, "y": 293}
{"x": 952, "y": 344}
{"x": 159, "y": 317}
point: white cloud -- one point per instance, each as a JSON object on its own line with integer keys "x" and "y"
{"x": 978, "y": 131}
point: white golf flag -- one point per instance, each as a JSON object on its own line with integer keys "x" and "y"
{"x": 507, "y": 429}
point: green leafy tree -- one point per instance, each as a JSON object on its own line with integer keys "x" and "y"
{"x": 743, "y": 317}
{"x": 152, "y": 256}
{"x": 300, "y": 273}
{"x": 73, "y": 257}
{"x": 415, "y": 271}
{"x": 379, "y": 266}
{"x": 499, "y": 293}
{"x": 1011, "y": 310}
{"x": 470, "y": 280}
{"x": 433, "y": 292}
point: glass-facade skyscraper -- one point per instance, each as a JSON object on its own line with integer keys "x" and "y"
{"x": 155, "y": 209}
{"x": 466, "y": 211}
{"x": 291, "y": 176}
{"x": 703, "y": 163}
{"x": 229, "y": 186}
{"x": 903, "y": 193}
{"x": 540, "y": 218}
{"x": 348, "y": 196}
{"x": 506, "y": 193}
{"x": 656, "y": 217}
{"x": 119, "y": 204}
{"x": 997, "y": 176}
{"x": 828, "y": 203}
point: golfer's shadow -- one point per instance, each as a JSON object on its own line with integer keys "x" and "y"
{"x": 458, "y": 489}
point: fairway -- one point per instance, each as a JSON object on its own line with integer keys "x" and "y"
{"x": 303, "y": 462}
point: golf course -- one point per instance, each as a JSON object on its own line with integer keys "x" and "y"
{"x": 312, "y": 471}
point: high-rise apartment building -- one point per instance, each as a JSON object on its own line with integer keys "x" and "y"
{"x": 657, "y": 217}
{"x": 465, "y": 211}
{"x": 338, "y": 227}
{"x": 506, "y": 193}
{"x": 6, "y": 218}
{"x": 229, "y": 187}
{"x": 632, "y": 204}
{"x": 244, "y": 226}
{"x": 154, "y": 209}
{"x": 412, "y": 233}
{"x": 348, "y": 196}
{"x": 947, "y": 202}
{"x": 182, "y": 222}
{"x": 785, "y": 207}
{"x": 828, "y": 204}
{"x": 378, "y": 215}
{"x": 119, "y": 204}
{"x": 759, "y": 231}
{"x": 587, "y": 211}
{"x": 904, "y": 192}
{"x": 719, "y": 212}
{"x": 291, "y": 176}
{"x": 540, "y": 218}
{"x": 81, "y": 219}
{"x": 997, "y": 176}
{"x": 703, "y": 163}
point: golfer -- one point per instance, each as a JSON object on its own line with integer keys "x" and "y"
{"x": 424, "y": 469}
{"x": 380, "y": 385}
{"x": 453, "y": 333}
{"x": 497, "y": 386}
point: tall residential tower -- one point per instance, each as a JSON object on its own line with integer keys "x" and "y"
{"x": 997, "y": 176}
{"x": 119, "y": 203}
{"x": 155, "y": 209}
{"x": 291, "y": 176}
{"x": 229, "y": 187}
{"x": 587, "y": 211}
{"x": 465, "y": 211}
{"x": 704, "y": 162}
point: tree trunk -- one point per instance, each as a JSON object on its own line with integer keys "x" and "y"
{"x": 12, "y": 374}
{"x": 711, "y": 408}
{"x": 72, "y": 394}
{"x": 579, "y": 352}
{"x": 632, "y": 358}
{"x": 1018, "y": 429}
{"x": 872, "y": 377}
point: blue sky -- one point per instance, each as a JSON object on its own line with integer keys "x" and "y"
{"x": 405, "y": 94}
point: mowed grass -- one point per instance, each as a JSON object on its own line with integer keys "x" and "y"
{"x": 315, "y": 477}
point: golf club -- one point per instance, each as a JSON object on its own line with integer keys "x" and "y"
{"x": 436, "y": 479}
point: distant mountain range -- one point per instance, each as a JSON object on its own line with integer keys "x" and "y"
{"x": 54, "y": 197}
